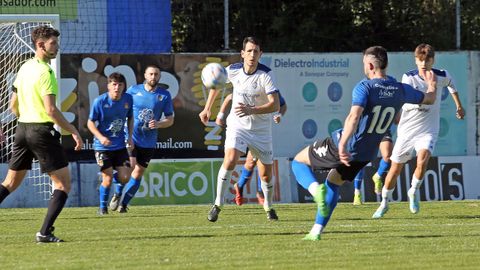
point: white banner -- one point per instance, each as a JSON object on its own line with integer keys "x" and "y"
{"x": 317, "y": 89}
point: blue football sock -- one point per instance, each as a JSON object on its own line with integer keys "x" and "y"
{"x": 244, "y": 177}
{"x": 118, "y": 185}
{"x": 131, "y": 189}
{"x": 303, "y": 174}
{"x": 331, "y": 199}
{"x": 383, "y": 167}
{"x": 357, "y": 182}
{"x": 259, "y": 184}
{"x": 104, "y": 193}
{"x": 115, "y": 178}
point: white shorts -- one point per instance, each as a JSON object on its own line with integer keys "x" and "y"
{"x": 403, "y": 149}
{"x": 260, "y": 145}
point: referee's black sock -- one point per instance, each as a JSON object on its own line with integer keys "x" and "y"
{"x": 55, "y": 206}
{"x": 3, "y": 193}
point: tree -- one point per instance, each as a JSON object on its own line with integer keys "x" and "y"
{"x": 324, "y": 26}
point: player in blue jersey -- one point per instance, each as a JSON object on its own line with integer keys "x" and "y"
{"x": 250, "y": 161}
{"x": 375, "y": 102}
{"x": 418, "y": 128}
{"x": 386, "y": 146}
{"x": 106, "y": 121}
{"x": 150, "y": 103}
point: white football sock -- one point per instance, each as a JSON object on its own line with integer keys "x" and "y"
{"x": 223, "y": 180}
{"x": 317, "y": 229}
{"x": 416, "y": 183}
{"x": 267, "y": 189}
{"x": 386, "y": 195}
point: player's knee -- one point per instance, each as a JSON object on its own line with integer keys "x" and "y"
{"x": 249, "y": 165}
{"x": 303, "y": 156}
{"x": 265, "y": 178}
{"x": 229, "y": 163}
{"x": 64, "y": 186}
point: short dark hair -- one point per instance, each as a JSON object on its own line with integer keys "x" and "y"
{"x": 151, "y": 66}
{"x": 379, "y": 54}
{"x": 424, "y": 51}
{"x": 253, "y": 40}
{"x": 43, "y": 32}
{"x": 117, "y": 77}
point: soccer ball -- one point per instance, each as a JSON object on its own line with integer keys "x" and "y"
{"x": 214, "y": 75}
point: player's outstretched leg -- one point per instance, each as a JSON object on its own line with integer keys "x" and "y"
{"x": 322, "y": 218}
{"x": 307, "y": 180}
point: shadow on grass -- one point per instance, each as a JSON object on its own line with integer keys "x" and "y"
{"x": 423, "y": 236}
{"x": 464, "y": 217}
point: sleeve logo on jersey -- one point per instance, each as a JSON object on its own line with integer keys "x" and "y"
{"x": 126, "y": 105}
{"x": 161, "y": 97}
{"x": 115, "y": 127}
{"x": 145, "y": 116}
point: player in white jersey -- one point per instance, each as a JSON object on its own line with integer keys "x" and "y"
{"x": 255, "y": 98}
{"x": 418, "y": 129}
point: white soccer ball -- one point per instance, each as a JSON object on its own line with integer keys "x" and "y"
{"x": 214, "y": 75}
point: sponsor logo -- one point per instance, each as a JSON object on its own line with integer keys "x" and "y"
{"x": 321, "y": 151}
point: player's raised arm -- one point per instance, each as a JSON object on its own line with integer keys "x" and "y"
{"x": 206, "y": 113}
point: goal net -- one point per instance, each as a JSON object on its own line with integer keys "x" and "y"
{"x": 15, "y": 48}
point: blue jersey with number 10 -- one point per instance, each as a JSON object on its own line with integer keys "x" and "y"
{"x": 381, "y": 100}
{"x": 147, "y": 106}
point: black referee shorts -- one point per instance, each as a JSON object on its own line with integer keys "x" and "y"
{"x": 40, "y": 141}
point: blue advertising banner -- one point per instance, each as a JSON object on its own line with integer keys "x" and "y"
{"x": 140, "y": 28}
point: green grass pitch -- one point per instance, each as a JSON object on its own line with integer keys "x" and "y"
{"x": 444, "y": 235}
